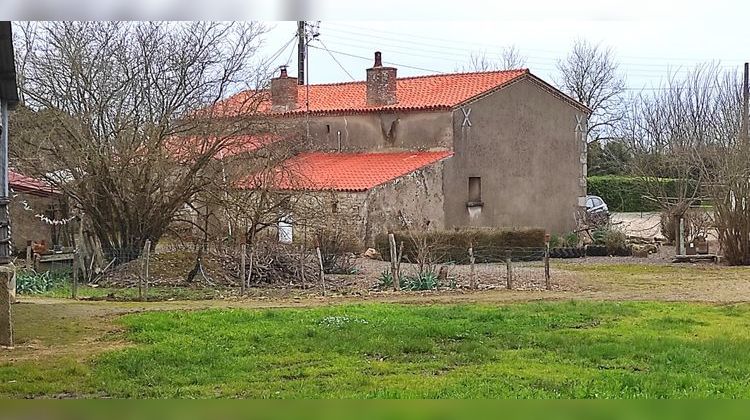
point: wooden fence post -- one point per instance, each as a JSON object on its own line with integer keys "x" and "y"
{"x": 322, "y": 273}
{"x": 547, "y": 283}
{"x": 509, "y": 269}
{"x": 243, "y": 250}
{"x": 394, "y": 259}
{"x": 472, "y": 276}
{"x": 143, "y": 281}
{"x": 6, "y": 313}
{"x": 302, "y": 265}
{"x": 398, "y": 264}
{"x": 76, "y": 263}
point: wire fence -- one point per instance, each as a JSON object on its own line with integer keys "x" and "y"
{"x": 212, "y": 269}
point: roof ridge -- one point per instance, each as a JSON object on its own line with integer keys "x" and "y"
{"x": 425, "y": 76}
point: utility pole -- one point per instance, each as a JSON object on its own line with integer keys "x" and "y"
{"x": 301, "y": 51}
{"x": 745, "y": 99}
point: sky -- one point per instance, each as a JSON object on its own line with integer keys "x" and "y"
{"x": 650, "y": 39}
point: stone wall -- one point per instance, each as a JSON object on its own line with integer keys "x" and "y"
{"x": 416, "y": 198}
{"x": 25, "y": 226}
{"x": 523, "y": 145}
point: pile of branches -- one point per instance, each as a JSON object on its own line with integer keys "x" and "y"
{"x": 276, "y": 263}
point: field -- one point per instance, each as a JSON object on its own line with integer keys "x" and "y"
{"x": 597, "y": 339}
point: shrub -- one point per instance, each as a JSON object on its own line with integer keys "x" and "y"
{"x": 385, "y": 280}
{"x": 696, "y": 223}
{"x": 427, "y": 280}
{"x": 30, "y": 282}
{"x": 626, "y": 194}
{"x": 337, "y": 251}
{"x": 566, "y": 240}
{"x": 452, "y": 245}
{"x": 614, "y": 240}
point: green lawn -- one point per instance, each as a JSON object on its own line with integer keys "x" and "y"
{"x": 530, "y": 350}
{"x": 131, "y": 293}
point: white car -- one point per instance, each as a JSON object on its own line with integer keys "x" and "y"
{"x": 595, "y": 205}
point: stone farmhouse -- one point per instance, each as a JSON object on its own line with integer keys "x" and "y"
{"x": 485, "y": 149}
{"x": 33, "y": 201}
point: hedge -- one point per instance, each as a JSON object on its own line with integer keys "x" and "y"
{"x": 625, "y": 194}
{"x": 491, "y": 245}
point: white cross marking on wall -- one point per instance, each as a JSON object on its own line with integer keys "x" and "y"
{"x": 580, "y": 123}
{"x": 466, "y": 113}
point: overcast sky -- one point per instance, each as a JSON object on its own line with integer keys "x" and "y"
{"x": 650, "y": 39}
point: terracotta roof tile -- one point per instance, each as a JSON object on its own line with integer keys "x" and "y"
{"x": 320, "y": 171}
{"x": 22, "y": 183}
{"x": 189, "y": 147}
{"x": 442, "y": 91}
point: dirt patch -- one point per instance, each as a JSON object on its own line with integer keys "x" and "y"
{"x": 170, "y": 269}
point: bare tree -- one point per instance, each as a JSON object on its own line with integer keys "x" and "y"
{"x": 689, "y": 130}
{"x": 510, "y": 58}
{"x": 590, "y": 75}
{"x": 119, "y": 116}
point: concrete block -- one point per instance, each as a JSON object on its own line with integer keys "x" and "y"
{"x": 7, "y": 282}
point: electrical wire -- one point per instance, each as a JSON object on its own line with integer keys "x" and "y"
{"x": 280, "y": 51}
{"x": 390, "y": 62}
{"x": 336, "y": 60}
{"x": 400, "y": 36}
{"x": 291, "y": 53}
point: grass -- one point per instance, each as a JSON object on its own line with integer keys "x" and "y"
{"x": 131, "y": 293}
{"x": 532, "y": 350}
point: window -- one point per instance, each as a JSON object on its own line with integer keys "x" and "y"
{"x": 475, "y": 190}
{"x": 328, "y": 128}
{"x": 334, "y": 207}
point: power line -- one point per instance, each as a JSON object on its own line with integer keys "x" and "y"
{"x": 443, "y": 52}
{"x": 535, "y": 65}
{"x": 280, "y": 51}
{"x": 400, "y": 37}
{"x": 336, "y": 60}
{"x": 370, "y": 58}
{"x": 291, "y": 53}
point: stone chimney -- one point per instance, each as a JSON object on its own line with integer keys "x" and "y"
{"x": 283, "y": 92}
{"x": 381, "y": 84}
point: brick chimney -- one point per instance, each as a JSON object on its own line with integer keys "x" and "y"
{"x": 283, "y": 92}
{"x": 381, "y": 84}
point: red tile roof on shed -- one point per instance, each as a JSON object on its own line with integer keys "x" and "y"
{"x": 22, "y": 183}
{"x": 442, "y": 91}
{"x": 190, "y": 147}
{"x": 320, "y": 171}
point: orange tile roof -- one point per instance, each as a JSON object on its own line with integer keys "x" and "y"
{"x": 22, "y": 183}
{"x": 319, "y": 171}
{"x": 443, "y": 91}
{"x": 189, "y": 147}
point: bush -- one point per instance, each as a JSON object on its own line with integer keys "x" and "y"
{"x": 452, "y": 245}
{"x": 385, "y": 280}
{"x": 30, "y": 282}
{"x": 337, "y": 251}
{"x": 566, "y": 240}
{"x": 613, "y": 240}
{"x": 427, "y": 280}
{"x": 625, "y": 194}
{"x": 696, "y": 223}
